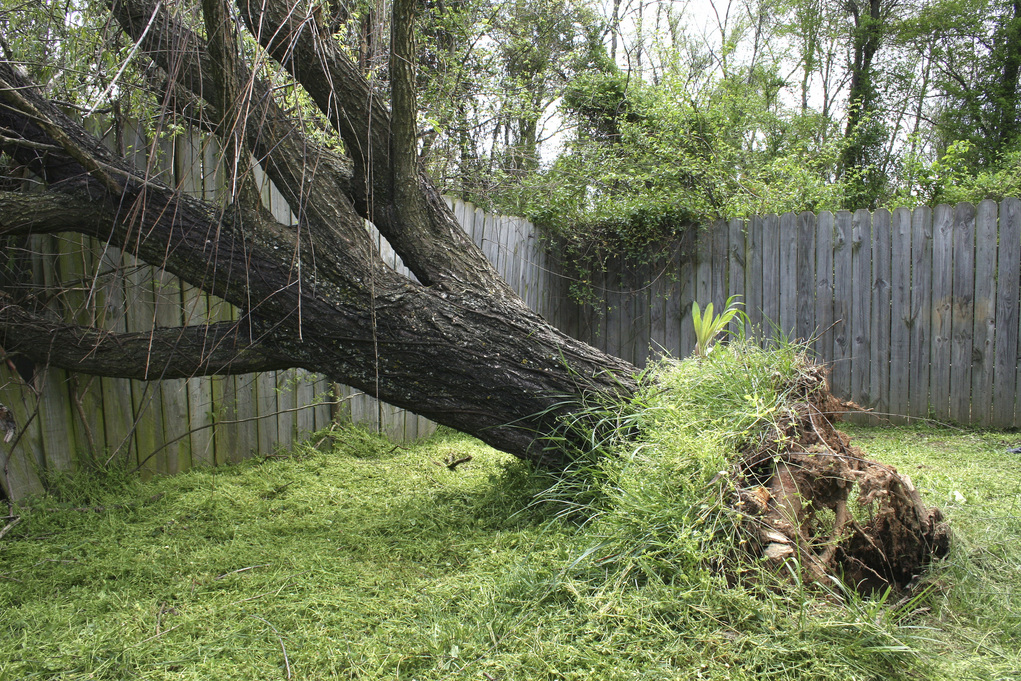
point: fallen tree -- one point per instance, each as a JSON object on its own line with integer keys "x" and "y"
{"x": 454, "y": 344}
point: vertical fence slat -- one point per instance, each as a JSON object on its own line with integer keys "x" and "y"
{"x": 771, "y": 275}
{"x": 823, "y": 333}
{"x": 1007, "y": 362}
{"x": 900, "y": 314}
{"x": 687, "y": 276}
{"x": 704, "y": 271}
{"x": 736, "y": 268}
{"x": 879, "y": 341}
{"x": 942, "y": 299}
{"x": 788, "y": 319}
{"x": 721, "y": 237}
{"x": 806, "y": 327}
{"x": 19, "y": 461}
{"x": 842, "y": 294}
{"x": 753, "y": 274}
{"x": 962, "y": 313}
{"x": 984, "y": 316}
{"x": 861, "y": 289}
{"x": 920, "y": 332}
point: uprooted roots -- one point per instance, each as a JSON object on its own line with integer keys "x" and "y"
{"x": 807, "y": 493}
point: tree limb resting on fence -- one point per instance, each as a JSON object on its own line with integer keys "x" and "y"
{"x": 222, "y": 348}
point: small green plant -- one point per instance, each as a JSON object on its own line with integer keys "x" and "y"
{"x": 709, "y": 326}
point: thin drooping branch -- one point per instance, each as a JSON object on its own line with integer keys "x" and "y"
{"x": 222, "y": 348}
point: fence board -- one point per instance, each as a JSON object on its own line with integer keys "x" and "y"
{"x": 962, "y": 313}
{"x": 771, "y": 275}
{"x": 19, "y": 461}
{"x": 879, "y": 358}
{"x": 1007, "y": 361}
{"x": 920, "y": 332}
{"x": 900, "y": 315}
{"x": 984, "y": 314}
{"x": 721, "y": 236}
{"x": 736, "y": 269}
{"x": 788, "y": 318}
{"x": 861, "y": 285}
{"x": 704, "y": 270}
{"x": 753, "y": 274}
{"x": 805, "y": 326}
{"x": 942, "y": 298}
{"x": 823, "y": 344}
{"x": 613, "y": 340}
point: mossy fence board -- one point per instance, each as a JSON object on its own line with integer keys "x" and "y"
{"x": 915, "y": 312}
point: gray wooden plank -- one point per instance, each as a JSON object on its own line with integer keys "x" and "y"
{"x": 771, "y": 277}
{"x": 843, "y": 290}
{"x": 788, "y": 312}
{"x": 920, "y": 330}
{"x": 753, "y": 275}
{"x": 146, "y": 398}
{"x": 688, "y": 265}
{"x": 984, "y": 315}
{"x": 613, "y": 337}
{"x": 720, "y": 266}
{"x": 861, "y": 310}
{"x": 823, "y": 334}
{"x": 286, "y": 408}
{"x": 736, "y": 270}
{"x": 962, "y": 313}
{"x": 490, "y": 236}
{"x": 942, "y": 298}
{"x": 56, "y": 418}
{"x": 1007, "y": 360}
{"x": 478, "y": 225}
{"x": 806, "y": 327}
{"x": 643, "y": 313}
{"x": 670, "y": 293}
{"x": 75, "y": 271}
{"x": 266, "y": 409}
{"x": 879, "y": 341}
{"x": 176, "y": 456}
{"x": 304, "y": 395}
{"x": 245, "y": 413}
{"x": 704, "y": 270}
{"x": 900, "y": 315}
{"x": 659, "y": 294}
{"x": 20, "y": 459}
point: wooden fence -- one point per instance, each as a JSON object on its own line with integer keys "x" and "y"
{"x": 917, "y": 314}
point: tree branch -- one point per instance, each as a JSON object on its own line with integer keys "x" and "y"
{"x": 182, "y": 352}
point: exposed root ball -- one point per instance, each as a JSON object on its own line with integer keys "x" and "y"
{"x": 806, "y": 491}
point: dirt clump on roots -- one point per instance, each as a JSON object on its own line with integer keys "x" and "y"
{"x": 807, "y": 493}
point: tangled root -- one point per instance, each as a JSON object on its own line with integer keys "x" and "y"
{"x": 806, "y": 492}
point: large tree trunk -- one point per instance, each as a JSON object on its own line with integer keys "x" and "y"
{"x": 457, "y": 345}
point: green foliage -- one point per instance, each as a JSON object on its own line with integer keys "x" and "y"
{"x": 709, "y": 326}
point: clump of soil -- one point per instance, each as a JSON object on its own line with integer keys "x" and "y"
{"x": 807, "y": 492}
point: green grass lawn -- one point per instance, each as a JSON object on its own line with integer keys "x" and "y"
{"x": 362, "y": 560}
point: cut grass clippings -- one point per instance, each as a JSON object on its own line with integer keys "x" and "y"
{"x": 371, "y": 561}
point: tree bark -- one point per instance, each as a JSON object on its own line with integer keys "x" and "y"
{"x": 457, "y": 346}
